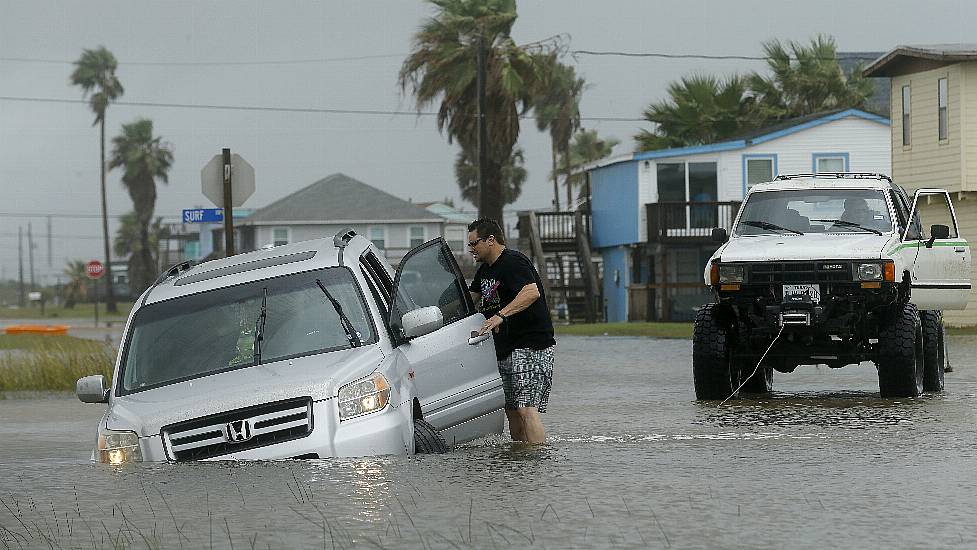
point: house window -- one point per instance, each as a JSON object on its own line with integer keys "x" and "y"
{"x": 830, "y": 162}
{"x": 943, "y": 99}
{"x": 378, "y": 235}
{"x": 905, "y": 116}
{"x": 757, "y": 169}
{"x": 279, "y": 236}
{"x": 416, "y": 235}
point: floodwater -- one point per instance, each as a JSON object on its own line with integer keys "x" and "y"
{"x": 633, "y": 461}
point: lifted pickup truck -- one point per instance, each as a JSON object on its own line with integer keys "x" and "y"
{"x": 831, "y": 269}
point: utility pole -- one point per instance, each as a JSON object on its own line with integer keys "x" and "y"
{"x": 482, "y": 130}
{"x": 50, "y": 262}
{"x": 228, "y": 205}
{"x": 20, "y": 266}
{"x": 30, "y": 254}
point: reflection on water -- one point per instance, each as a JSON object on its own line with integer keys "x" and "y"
{"x": 633, "y": 461}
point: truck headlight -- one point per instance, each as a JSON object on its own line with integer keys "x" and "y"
{"x": 118, "y": 447}
{"x": 869, "y": 272}
{"x": 731, "y": 273}
{"x": 363, "y": 397}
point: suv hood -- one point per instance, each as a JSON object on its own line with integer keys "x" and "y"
{"x": 810, "y": 246}
{"x": 319, "y": 376}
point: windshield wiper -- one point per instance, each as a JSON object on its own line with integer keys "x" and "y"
{"x": 767, "y": 225}
{"x": 846, "y": 223}
{"x": 354, "y": 337}
{"x": 259, "y": 327}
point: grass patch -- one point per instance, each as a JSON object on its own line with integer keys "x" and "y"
{"x": 31, "y": 362}
{"x": 80, "y": 311}
{"x": 961, "y": 330}
{"x": 651, "y": 330}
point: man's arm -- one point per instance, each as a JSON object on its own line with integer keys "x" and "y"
{"x": 527, "y": 295}
{"x": 476, "y": 297}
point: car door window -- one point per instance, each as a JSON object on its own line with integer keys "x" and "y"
{"x": 933, "y": 209}
{"x": 429, "y": 276}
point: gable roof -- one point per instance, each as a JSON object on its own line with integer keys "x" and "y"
{"x": 762, "y": 135}
{"x": 912, "y": 59}
{"x": 339, "y": 198}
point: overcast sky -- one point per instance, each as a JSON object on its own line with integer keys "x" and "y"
{"x": 204, "y": 53}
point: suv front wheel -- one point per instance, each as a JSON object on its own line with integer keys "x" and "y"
{"x": 715, "y": 373}
{"x": 900, "y": 355}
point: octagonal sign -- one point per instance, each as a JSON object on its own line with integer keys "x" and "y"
{"x": 242, "y": 180}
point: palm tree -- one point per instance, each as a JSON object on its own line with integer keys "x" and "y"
{"x": 144, "y": 159}
{"x": 806, "y": 80}
{"x": 586, "y": 147}
{"x": 699, "y": 109}
{"x": 512, "y": 175}
{"x": 95, "y": 73}
{"x": 76, "y": 289}
{"x": 128, "y": 244}
{"x": 443, "y": 68}
{"x": 557, "y": 108}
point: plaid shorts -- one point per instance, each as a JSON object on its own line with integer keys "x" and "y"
{"x": 527, "y": 375}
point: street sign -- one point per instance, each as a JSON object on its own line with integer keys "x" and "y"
{"x": 203, "y": 215}
{"x": 242, "y": 180}
{"x": 94, "y": 269}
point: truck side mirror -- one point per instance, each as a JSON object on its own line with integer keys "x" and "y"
{"x": 937, "y": 231}
{"x": 719, "y": 235}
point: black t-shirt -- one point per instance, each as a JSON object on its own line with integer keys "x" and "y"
{"x": 498, "y": 284}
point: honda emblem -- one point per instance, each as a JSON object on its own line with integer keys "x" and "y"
{"x": 238, "y": 431}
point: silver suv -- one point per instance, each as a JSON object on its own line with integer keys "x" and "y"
{"x": 312, "y": 349}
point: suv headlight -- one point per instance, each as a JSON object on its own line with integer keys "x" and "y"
{"x": 731, "y": 273}
{"x": 363, "y": 397}
{"x": 869, "y": 272}
{"x": 118, "y": 447}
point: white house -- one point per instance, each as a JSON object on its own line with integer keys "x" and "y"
{"x": 653, "y": 212}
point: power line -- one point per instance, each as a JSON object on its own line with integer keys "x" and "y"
{"x": 203, "y": 106}
{"x": 213, "y": 63}
{"x": 661, "y": 55}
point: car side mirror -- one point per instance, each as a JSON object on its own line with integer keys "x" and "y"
{"x": 91, "y": 389}
{"x": 719, "y": 234}
{"x": 937, "y": 231}
{"x": 421, "y": 321}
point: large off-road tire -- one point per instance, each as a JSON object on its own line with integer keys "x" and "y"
{"x": 761, "y": 382}
{"x": 900, "y": 355}
{"x": 427, "y": 438}
{"x": 713, "y": 371}
{"x": 934, "y": 350}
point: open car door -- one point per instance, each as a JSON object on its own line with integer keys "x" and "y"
{"x": 456, "y": 375}
{"x": 941, "y": 271}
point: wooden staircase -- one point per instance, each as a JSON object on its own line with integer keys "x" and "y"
{"x": 559, "y": 244}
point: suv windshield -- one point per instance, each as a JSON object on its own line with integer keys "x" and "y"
{"x": 815, "y": 211}
{"x": 217, "y": 330}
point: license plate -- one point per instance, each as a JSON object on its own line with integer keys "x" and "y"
{"x": 814, "y": 291}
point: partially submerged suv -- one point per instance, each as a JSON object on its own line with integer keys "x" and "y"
{"x": 312, "y": 349}
{"x": 832, "y": 269}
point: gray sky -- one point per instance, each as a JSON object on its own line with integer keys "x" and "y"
{"x": 190, "y": 52}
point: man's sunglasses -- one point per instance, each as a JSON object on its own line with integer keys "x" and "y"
{"x": 472, "y": 244}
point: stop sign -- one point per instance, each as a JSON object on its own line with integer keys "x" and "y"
{"x": 94, "y": 269}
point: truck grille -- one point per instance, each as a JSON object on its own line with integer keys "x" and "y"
{"x": 824, "y": 271}
{"x": 238, "y": 430}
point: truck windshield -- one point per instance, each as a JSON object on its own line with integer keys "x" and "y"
{"x": 214, "y": 331}
{"x": 815, "y": 211}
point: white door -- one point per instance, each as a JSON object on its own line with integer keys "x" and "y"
{"x": 941, "y": 270}
{"x": 456, "y": 376}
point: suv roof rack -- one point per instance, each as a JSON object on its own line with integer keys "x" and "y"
{"x": 172, "y": 271}
{"x": 836, "y": 175}
{"x": 341, "y": 240}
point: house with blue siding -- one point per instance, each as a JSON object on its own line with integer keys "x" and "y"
{"x": 654, "y": 211}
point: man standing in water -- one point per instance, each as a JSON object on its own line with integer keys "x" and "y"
{"x": 508, "y": 291}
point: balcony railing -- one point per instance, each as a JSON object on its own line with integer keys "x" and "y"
{"x": 558, "y": 227}
{"x": 688, "y": 221}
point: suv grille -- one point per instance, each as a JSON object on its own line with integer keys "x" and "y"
{"x": 800, "y": 272}
{"x": 238, "y": 430}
